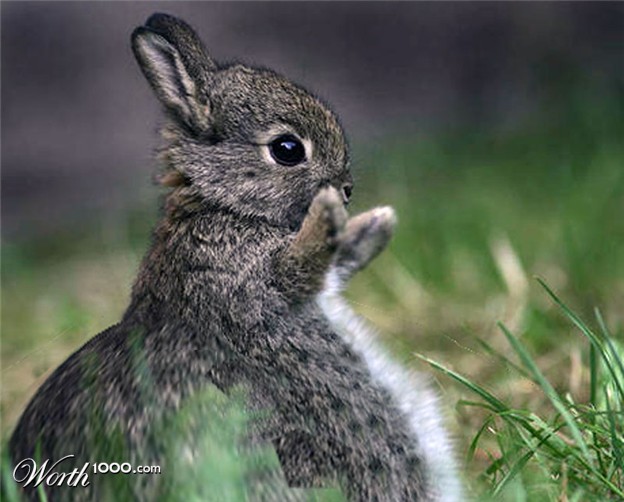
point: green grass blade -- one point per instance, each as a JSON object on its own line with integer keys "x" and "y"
{"x": 496, "y": 403}
{"x": 475, "y": 441}
{"x": 548, "y": 390}
{"x": 595, "y": 341}
{"x": 615, "y": 441}
{"x": 504, "y": 359}
{"x": 593, "y": 375}
{"x": 512, "y": 417}
{"x": 9, "y": 488}
{"x": 614, "y": 352}
{"x": 42, "y": 494}
{"x": 513, "y": 472}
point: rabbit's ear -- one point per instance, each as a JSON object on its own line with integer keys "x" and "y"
{"x": 177, "y": 67}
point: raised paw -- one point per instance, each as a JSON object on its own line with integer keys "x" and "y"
{"x": 328, "y": 215}
{"x": 365, "y": 236}
{"x": 301, "y": 268}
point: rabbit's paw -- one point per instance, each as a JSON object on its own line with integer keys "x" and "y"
{"x": 330, "y": 215}
{"x": 365, "y": 236}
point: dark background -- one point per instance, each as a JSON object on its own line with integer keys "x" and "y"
{"x": 78, "y": 121}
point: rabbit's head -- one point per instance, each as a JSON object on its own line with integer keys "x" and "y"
{"x": 243, "y": 139}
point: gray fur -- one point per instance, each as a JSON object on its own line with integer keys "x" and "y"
{"x": 233, "y": 293}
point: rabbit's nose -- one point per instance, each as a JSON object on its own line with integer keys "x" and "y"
{"x": 347, "y": 188}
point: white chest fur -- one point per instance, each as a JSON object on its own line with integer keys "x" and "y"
{"x": 410, "y": 390}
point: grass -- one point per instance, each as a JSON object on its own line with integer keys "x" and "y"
{"x": 206, "y": 458}
{"x": 535, "y": 377}
{"x": 570, "y": 450}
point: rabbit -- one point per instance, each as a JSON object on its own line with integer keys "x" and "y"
{"x": 240, "y": 289}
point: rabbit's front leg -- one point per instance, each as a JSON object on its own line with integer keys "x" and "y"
{"x": 365, "y": 236}
{"x": 328, "y": 237}
{"x": 302, "y": 267}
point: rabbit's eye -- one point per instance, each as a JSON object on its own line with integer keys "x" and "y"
{"x": 287, "y": 150}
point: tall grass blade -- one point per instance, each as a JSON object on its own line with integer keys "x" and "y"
{"x": 496, "y": 403}
{"x": 615, "y": 441}
{"x": 504, "y": 359}
{"x": 607, "y": 336}
{"x": 596, "y": 342}
{"x": 593, "y": 375}
{"x": 548, "y": 390}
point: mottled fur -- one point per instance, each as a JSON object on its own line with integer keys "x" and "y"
{"x": 240, "y": 289}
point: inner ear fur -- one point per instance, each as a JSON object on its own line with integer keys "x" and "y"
{"x": 177, "y": 67}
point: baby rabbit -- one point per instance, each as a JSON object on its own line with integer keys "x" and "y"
{"x": 240, "y": 289}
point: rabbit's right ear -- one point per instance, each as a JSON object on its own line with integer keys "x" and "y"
{"x": 177, "y": 67}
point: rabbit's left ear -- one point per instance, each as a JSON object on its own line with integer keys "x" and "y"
{"x": 177, "y": 66}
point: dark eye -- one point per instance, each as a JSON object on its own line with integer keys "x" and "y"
{"x": 287, "y": 150}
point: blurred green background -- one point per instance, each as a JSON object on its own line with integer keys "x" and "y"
{"x": 484, "y": 207}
